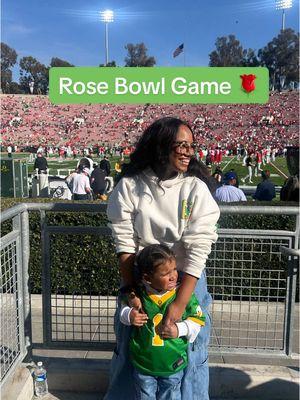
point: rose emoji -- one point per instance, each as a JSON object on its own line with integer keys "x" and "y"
{"x": 248, "y": 82}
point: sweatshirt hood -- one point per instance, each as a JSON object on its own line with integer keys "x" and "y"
{"x": 152, "y": 177}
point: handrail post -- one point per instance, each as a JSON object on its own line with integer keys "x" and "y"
{"x": 290, "y": 306}
{"x": 26, "y": 281}
{"x": 46, "y": 279}
{"x": 18, "y": 278}
{"x": 293, "y": 265}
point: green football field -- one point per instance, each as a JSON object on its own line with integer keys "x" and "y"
{"x": 228, "y": 163}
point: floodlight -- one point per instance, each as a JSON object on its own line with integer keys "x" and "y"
{"x": 283, "y": 5}
{"x": 107, "y": 16}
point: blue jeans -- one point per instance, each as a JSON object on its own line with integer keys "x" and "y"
{"x": 149, "y": 387}
{"x": 195, "y": 381}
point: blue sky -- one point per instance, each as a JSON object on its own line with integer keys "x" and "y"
{"x": 71, "y": 30}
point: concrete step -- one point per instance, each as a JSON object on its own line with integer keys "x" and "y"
{"x": 87, "y": 379}
{"x": 227, "y": 381}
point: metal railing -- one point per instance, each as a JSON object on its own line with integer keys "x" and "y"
{"x": 253, "y": 285}
{"x": 15, "y": 301}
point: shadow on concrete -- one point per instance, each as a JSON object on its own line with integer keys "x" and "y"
{"x": 231, "y": 383}
{"x": 75, "y": 396}
{"x": 297, "y": 369}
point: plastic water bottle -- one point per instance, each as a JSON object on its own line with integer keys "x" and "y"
{"x": 40, "y": 380}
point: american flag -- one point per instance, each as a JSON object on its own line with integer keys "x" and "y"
{"x": 178, "y": 50}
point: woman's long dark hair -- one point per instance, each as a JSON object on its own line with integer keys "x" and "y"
{"x": 154, "y": 147}
{"x": 200, "y": 170}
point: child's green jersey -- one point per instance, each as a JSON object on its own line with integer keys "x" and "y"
{"x": 151, "y": 354}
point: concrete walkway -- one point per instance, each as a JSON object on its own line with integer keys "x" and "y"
{"x": 71, "y": 378}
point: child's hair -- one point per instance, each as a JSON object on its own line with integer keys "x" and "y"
{"x": 150, "y": 258}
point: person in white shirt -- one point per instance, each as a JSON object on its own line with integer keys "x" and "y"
{"x": 9, "y": 151}
{"x": 229, "y": 193}
{"x": 157, "y": 202}
{"x": 81, "y": 185}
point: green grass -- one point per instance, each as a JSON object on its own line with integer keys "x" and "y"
{"x": 280, "y": 162}
{"x": 241, "y": 171}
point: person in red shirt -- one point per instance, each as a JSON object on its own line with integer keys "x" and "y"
{"x": 218, "y": 156}
{"x": 201, "y": 155}
{"x": 258, "y": 159}
{"x": 74, "y": 153}
{"x": 212, "y": 156}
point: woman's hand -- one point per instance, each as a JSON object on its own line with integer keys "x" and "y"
{"x": 183, "y": 295}
{"x": 134, "y": 301}
{"x": 138, "y": 318}
{"x": 169, "y": 331}
{"x": 173, "y": 315}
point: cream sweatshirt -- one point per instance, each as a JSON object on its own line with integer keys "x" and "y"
{"x": 179, "y": 212}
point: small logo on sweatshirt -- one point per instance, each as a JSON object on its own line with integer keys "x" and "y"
{"x": 199, "y": 311}
{"x": 186, "y": 209}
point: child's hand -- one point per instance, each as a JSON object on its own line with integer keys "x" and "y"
{"x": 138, "y": 318}
{"x": 170, "y": 331}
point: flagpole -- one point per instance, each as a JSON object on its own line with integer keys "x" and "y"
{"x": 184, "y": 40}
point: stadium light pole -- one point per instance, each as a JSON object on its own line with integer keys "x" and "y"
{"x": 283, "y": 5}
{"x": 106, "y": 16}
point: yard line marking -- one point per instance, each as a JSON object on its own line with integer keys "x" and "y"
{"x": 229, "y": 162}
{"x": 280, "y": 172}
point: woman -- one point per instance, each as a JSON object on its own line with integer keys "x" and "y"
{"x": 156, "y": 202}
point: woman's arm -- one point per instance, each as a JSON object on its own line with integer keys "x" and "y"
{"x": 126, "y": 261}
{"x": 184, "y": 293}
{"x": 120, "y": 212}
{"x": 197, "y": 239}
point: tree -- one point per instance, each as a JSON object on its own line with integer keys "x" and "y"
{"x": 109, "y": 64}
{"x": 229, "y": 53}
{"x": 32, "y": 70}
{"x": 14, "y": 87}
{"x": 250, "y": 59}
{"x": 280, "y": 56}
{"x": 137, "y": 56}
{"x": 57, "y": 62}
{"x": 8, "y": 60}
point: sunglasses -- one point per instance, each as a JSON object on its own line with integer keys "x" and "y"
{"x": 185, "y": 147}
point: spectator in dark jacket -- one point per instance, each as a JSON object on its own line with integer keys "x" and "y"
{"x": 40, "y": 163}
{"x": 265, "y": 190}
{"x": 105, "y": 165}
{"x": 98, "y": 182}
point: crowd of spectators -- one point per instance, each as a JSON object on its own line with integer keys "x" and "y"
{"x": 32, "y": 122}
{"x": 255, "y": 133}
